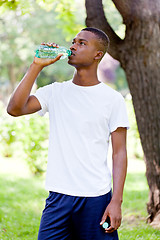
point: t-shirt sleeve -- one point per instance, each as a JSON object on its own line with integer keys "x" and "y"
{"x": 43, "y": 95}
{"x": 118, "y": 117}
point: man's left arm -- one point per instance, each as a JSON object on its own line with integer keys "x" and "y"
{"x": 119, "y": 156}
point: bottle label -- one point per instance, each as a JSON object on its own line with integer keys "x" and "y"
{"x": 44, "y": 51}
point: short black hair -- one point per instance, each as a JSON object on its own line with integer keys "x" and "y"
{"x": 102, "y": 37}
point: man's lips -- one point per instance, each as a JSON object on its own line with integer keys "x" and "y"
{"x": 72, "y": 54}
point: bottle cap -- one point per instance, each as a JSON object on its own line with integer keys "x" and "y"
{"x": 105, "y": 225}
{"x": 69, "y": 52}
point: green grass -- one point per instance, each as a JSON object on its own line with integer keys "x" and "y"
{"x": 22, "y": 198}
{"x": 134, "y": 225}
{"x": 21, "y": 202}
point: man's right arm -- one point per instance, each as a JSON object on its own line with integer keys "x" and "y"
{"x": 21, "y": 102}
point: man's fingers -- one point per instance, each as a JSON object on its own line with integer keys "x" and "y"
{"x": 117, "y": 223}
{"x": 58, "y": 57}
{"x": 50, "y": 61}
{"x": 114, "y": 226}
{"x": 104, "y": 218}
{"x": 112, "y": 215}
{"x": 110, "y": 229}
{"x": 102, "y": 221}
{"x": 43, "y": 62}
{"x": 50, "y": 44}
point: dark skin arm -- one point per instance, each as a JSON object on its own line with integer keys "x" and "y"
{"x": 119, "y": 155}
{"x": 21, "y": 102}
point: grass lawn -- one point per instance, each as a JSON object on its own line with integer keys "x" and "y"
{"x": 22, "y": 199}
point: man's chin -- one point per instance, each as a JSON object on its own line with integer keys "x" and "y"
{"x": 70, "y": 62}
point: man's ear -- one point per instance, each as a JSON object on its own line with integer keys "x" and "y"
{"x": 99, "y": 55}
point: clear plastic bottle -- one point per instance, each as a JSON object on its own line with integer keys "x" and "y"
{"x": 44, "y": 51}
{"x": 106, "y": 224}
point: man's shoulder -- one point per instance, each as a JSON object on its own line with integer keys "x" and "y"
{"x": 55, "y": 85}
{"x": 110, "y": 92}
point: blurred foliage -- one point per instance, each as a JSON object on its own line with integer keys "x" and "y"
{"x": 7, "y": 136}
{"x": 67, "y": 12}
{"x": 114, "y": 18}
{"x": 25, "y": 24}
{"x": 14, "y": 5}
{"x": 28, "y": 136}
{"x": 70, "y": 13}
{"x": 121, "y": 82}
{"x": 133, "y": 144}
{"x": 34, "y": 139}
{"x": 19, "y": 40}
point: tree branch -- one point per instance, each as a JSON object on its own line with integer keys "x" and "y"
{"x": 123, "y": 6}
{"x": 96, "y": 18}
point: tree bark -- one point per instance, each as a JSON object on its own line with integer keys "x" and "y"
{"x": 141, "y": 62}
{"x": 139, "y": 55}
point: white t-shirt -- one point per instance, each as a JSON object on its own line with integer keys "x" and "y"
{"x": 81, "y": 121}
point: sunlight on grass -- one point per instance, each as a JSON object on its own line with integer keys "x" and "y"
{"x": 136, "y": 166}
{"x": 22, "y": 199}
{"x": 14, "y": 166}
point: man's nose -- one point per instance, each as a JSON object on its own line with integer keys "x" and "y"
{"x": 73, "y": 47}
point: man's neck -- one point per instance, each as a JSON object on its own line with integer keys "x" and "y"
{"x": 84, "y": 77}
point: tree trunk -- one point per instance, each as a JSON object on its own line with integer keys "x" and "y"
{"x": 139, "y": 55}
{"x": 141, "y": 62}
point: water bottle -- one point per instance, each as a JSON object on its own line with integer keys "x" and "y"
{"x": 44, "y": 51}
{"x": 106, "y": 224}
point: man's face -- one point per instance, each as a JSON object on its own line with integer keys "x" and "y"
{"x": 84, "y": 49}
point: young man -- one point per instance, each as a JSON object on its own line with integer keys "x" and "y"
{"x": 83, "y": 114}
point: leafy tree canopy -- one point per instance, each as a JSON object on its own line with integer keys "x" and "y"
{"x": 25, "y": 24}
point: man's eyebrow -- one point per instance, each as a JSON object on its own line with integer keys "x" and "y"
{"x": 80, "y": 39}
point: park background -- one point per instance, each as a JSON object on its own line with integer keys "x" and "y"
{"x": 24, "y": 140}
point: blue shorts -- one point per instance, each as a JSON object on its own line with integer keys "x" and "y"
{"x": 74, "y": 218}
